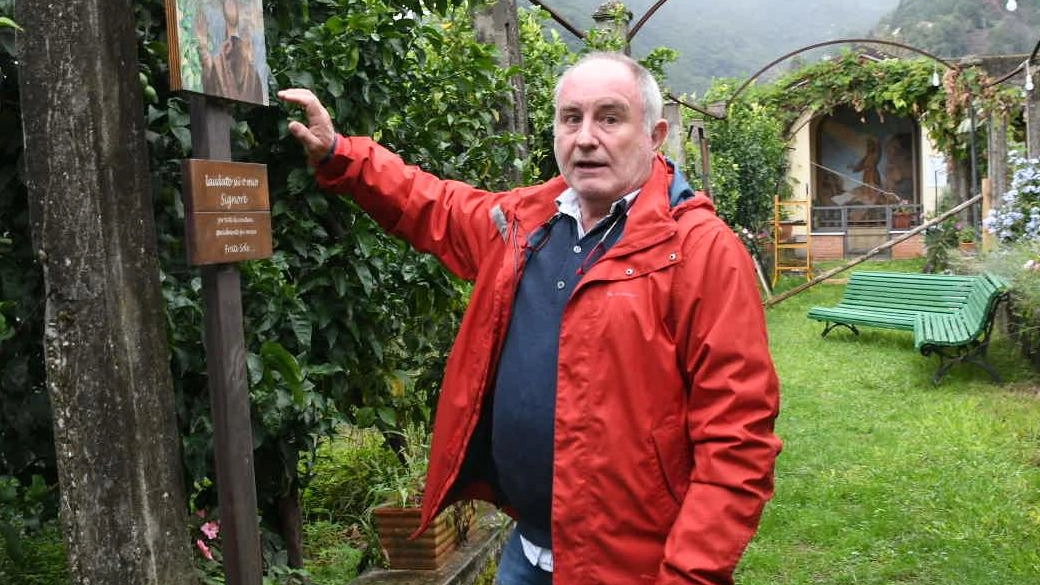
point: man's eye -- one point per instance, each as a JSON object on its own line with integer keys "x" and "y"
{"x": 571, "y": 119}
{"x": 611, "y": 120}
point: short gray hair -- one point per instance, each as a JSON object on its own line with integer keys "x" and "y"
{"x": 653, "y": 102}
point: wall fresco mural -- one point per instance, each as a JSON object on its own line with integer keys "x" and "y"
{"x": 865, "y": 159}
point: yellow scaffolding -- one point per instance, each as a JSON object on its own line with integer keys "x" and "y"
{"x": 792, "y": 237}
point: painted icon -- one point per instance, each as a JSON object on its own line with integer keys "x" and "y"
{"x": 217, "y": 48}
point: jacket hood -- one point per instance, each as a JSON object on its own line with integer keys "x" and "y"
{"x": 682, "y": 197}
{"x": 680, "y": 189}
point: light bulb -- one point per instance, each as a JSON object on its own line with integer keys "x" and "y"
{"x": 1011, "y": 5}
{"x": 935, "y": 79}
{"x": 1029, "y": 81}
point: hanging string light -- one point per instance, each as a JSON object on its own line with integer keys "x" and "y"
{"x": 1029, "y": 78}
{"x": 1011, "y": 5}
{"x": 936, "y": 82}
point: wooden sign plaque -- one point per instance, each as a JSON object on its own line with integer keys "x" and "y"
{"x": 228, "y": 211}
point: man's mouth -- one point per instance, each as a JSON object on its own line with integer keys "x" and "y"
{"x": 588, "y": 164}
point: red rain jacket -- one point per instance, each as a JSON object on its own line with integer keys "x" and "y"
{"x": 666, "y": 393}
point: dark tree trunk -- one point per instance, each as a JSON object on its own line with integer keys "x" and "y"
{"x": 497, "y": 25}
{"x": 108, "y": 375}
{"x": 290, "y": 517}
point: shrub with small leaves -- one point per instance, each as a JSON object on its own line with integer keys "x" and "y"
{"x": 939, "y": 241}
{"x": 1019, "y": 264}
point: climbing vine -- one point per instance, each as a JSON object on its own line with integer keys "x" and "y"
{"x": 899, "y": 87}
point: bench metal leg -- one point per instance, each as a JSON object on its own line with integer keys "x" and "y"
{"x": 832, "y": 325}
{"x": 975, "y": 353}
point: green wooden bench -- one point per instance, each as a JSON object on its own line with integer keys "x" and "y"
{"x": 950, "y": 315}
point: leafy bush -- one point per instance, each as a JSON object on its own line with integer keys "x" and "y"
{"x": 344, "y": 322}
{"x": 403, "y": 485}
{"x": 748, "y": 163}
{"x": 345, "y": 469}
{"x": 1019, "y": 264}
{"x": 26, "y": 434}
{"x": 41, "y": 560}
{"x": 31, "y": 547}
{"x": 208, "y": 556}
{"x": 1016, "y": 225}
{"x": 545, "y": 55}
{"x": 341, "y": 495}
{"x": 942, "y": 242}
{"x": 332, "y": 557}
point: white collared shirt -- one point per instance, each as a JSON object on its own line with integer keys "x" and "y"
{"x": 567, "y": 203}
{"x": 539, "y": 557}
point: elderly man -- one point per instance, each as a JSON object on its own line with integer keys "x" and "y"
{"x": 611, "y": 386}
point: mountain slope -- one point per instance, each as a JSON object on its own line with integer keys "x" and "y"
{"x": 732, "y": 38}
{"x": 954, "y": 28}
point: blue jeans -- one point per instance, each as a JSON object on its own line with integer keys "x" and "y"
{"x": 515, "y": 569}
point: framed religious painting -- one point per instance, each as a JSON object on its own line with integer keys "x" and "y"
{"x": 216, "y": 48}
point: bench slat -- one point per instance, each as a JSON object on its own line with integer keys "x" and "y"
{"x": 964, "y": 326}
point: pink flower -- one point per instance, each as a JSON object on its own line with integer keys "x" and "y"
{"x": 204, "y": 549}
{"x": 210, "y": 529}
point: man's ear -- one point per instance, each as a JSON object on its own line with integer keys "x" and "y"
{"x": 659, "y": 133}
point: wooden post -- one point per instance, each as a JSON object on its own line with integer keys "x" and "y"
{"x": 226, "y": 370}
{"x": 702, "y": 140}
{"x": 997, "y": 153}
{"x": 988, "y": 241}
{"x": 673, "y": 144}
{"x": 1033, "y": 120}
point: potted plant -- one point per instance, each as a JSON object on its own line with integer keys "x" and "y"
{"x": 902, "y": 215}
{"x": 397, "y": 517}
{"x": 966, "y": 237}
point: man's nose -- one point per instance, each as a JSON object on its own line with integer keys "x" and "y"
{"x": 586, "y": 137}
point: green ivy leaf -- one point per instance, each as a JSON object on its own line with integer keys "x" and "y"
{"x": 7, "y": 22}
{"x": 301, "y": 326}
{"x": 366, "y": 278}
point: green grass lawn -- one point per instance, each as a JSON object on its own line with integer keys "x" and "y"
{"x": 887, "y": 479}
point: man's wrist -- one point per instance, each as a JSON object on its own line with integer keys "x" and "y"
{"x": 332, "y": 150}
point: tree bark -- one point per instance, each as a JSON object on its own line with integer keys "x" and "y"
{"x": 108, "y": 376}
{"x": 497, "y": 25}
{"x": 290, "y": 518}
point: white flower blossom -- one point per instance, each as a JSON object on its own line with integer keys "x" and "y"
{"x": 1018, "y": 216}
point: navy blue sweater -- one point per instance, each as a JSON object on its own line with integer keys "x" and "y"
{"x": 525, "y": 387}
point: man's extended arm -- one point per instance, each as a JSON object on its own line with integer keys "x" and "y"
{"x": 449, "y": 219}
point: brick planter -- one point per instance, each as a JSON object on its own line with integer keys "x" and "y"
{"x": 429, "y": 551}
